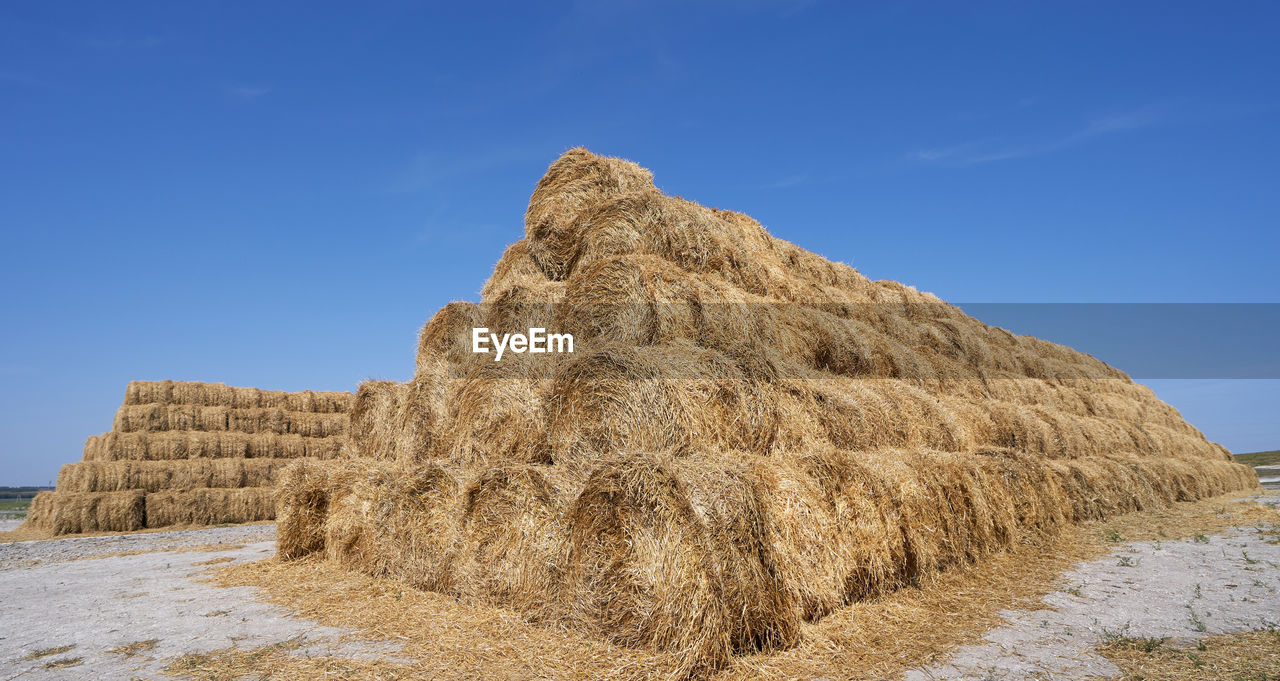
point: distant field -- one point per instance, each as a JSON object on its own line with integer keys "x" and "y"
{"x": 15, "y": 501}
{"x": 1267, "y": 465}
{"x": 21, "y": 493}
{"x": 1271, "y": 458}
{"x": 14, "y": 509}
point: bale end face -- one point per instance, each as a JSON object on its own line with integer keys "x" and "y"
{"x": 642, "y": 569}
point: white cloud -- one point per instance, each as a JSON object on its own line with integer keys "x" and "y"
{"x": 988, "y": 151}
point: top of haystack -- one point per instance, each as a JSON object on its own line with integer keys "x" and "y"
{"x": 656, "y": 287}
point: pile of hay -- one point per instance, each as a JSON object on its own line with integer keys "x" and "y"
{"x": 183, "y": 453}
{"x": 747, "y": 436}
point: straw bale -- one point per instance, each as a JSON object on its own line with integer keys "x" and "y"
{"x": 306, "y": 491}
{"x": 641, "y": 566}
{"x": 75, "y": 512}
{"x": 398, "y": 522}
{"x": 398, "y": 421}
{"x": 447, "y": 335}
{"x": 496, "y": 414}
{"x": 511, "y": 539}
{"x": 209, "y": 506}
{"x": 193, "y": 453}
{"x": 164, "y": 417}
{"x": 576, "y": 182}
{"x": 154, "y": 476}
{"x": 373, "y": 418}
{"x": 174, "y": 445}
{"x": 220, "y": 395}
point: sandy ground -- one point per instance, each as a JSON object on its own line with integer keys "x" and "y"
{"x": 73, "y": 592}
{"x": 1182, "y": 590}
{"x": 81, "y": 593}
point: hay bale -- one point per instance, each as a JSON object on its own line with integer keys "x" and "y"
{"x": 177, "y": 445}
{"x": 397, "y": 522}
{"x": 447, "y": 335}
{"x": 833, "y": 533}
{"x": 672, "y": 397}
{"x": 373, "y": 418}
{"x": 306, "y": 491}
{"x": 154, "y": 476}
{"x": 210, "y": 506}
{"x": 397, "y": 421}
{"x": 76, "y": 512}
{"x": 220, "y": 395}
{"x": 182, "y": 417}
{"x": 731, "y": 498}
{"x": 642, "y": 567}
{"x": 496, "y": 415}
{"x": 576, "y": 182}
{"x": 511, "y": 539}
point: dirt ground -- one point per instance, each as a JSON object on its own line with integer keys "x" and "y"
{"x": 129, "y": 606}
{"x": 1177, "y": 590}
{"x": 124, "y": 607}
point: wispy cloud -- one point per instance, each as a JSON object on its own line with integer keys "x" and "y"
{"x": 789, "y": 181}
{"x": 988, "y": 151}
{"x": 127, "y": 43}
{"x": 247, "y": 93}
{"x": 428, "y": 170}
{"x": 951, "y": 153}
{"x": 25, "y": 80}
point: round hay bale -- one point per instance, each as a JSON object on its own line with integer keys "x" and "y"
{"x": 512, "y": 539}
{"x": 641, "y": 567}
{"x": 576, "y": 181}
{"x": 401, "y": 522}
{"x": 447, "y": 335}
{"x": 496, "y": 414}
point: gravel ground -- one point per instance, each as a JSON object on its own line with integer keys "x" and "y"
{"x": 52, "y": 598}
{"x": 27, "y": 553}
{"x": 9, "y": 524}
{"x": 1178, "y": 589}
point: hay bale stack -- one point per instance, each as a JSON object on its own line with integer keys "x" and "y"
{"x": 185, "y": 453}
{"x": 746, "y": 437}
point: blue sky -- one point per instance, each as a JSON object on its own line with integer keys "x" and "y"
{"x": 280, "y": 194}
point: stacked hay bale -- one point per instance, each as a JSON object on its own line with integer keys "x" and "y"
{"x": 746, "y": 436}
{"x": 184, "y": 453}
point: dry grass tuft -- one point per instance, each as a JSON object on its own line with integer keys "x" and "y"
{"x": 1246, "y": 656}
{"x": 47, "y": 652}
{"x": 136, "y": 648}
{"x": 215, "y": 561}
{"x": 277, "y": 661}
